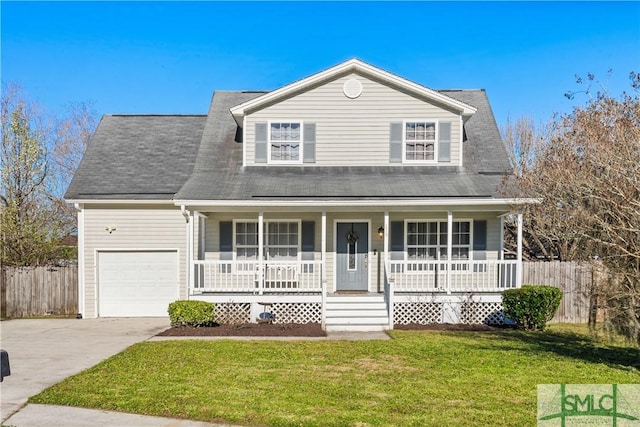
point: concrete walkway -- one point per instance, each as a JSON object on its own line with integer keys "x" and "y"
{"x": 43, "y": 352}
{"x": 51, "y": 416}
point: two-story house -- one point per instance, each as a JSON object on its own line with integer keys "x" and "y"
{"x": 353, "y": 197}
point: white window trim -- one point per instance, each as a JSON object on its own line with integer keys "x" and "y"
{"x": 300, "y": 150}
{"x": 435, "y": 144}
{"x": 439, "y": 220}
{"x": 266, "y": 246}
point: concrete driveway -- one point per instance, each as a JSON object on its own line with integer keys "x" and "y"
{"x": 43, "y": 352}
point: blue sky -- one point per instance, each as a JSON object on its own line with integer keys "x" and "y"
{"x": 166, "y": 57}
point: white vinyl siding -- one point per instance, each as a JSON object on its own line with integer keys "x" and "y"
{"x": 353, "y": 132}
{"x": 136, "y": 228}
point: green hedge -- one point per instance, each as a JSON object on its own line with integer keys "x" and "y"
{"x": 191, "y": 313}
{"x": 530, "y": 306}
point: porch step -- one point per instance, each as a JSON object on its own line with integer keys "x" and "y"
{"x": 356, "y": 313}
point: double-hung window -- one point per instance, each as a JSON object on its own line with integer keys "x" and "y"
{"x": 427, "y": 241}
{"x": 420, "y": 141}
{"x": 281, "y": 240}
{"x": 285, "y": 140}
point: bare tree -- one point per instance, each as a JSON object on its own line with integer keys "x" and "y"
{"x": 72, "y": 135}
{"x": 549, "y": 231}
{"x": 37, "y": 158}
{"x": 586, "y": 171}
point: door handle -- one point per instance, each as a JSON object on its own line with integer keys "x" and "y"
{"x": 366, "y": 260}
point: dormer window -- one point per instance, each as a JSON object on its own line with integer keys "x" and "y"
{"x": 420, "y": 141}
{"x": 285, "y": 139}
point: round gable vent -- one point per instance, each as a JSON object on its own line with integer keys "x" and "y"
{"x": 352, "y": 88}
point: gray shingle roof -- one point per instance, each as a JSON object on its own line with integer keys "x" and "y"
{"x": 138, "y": 157}
{"x": 219, "y": 175}
{"x": 200, "y": 158}
{"x": 483, "y": 149}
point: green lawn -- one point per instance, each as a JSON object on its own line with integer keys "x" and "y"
{"x": 419, "y": 378}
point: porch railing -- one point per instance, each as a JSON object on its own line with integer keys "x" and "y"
{"x": 256, "y": 277}
{"x": 465, "y": 276}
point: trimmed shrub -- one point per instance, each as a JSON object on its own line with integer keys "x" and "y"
{"x": 531, "y": 306}
{"x": 191, "y": 313}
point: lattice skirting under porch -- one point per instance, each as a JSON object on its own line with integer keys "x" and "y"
{"x": 233, "y": 313}
{"x": 297, "y": 312}
{"x": 283, "y": 312}
{"x": 489, "y": 313}
{"x": 423, "y": 313}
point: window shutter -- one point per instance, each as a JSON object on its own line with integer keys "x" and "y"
{"x": 308, "y": 240}
{"x": 444, "y": 142}
{"x": 261, "y": 143}
{"x": 480, "y": 235}
{"x": 479, "y": 244}
{"x": 309, "y": 143}
{"x": 226, "y": 240}
{"x": 397, "y": 240}
{"x": 395, "y": 143}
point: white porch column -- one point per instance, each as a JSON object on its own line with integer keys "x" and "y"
{"x": 519, "y": 263}
{"x": 389, "y": 296}
{"x": 189, "y": 272}
{"x": 449, "y": 249}
{"x": 501, "y": 247}
{"x": 323, "y": 249}
{"x": 323, "y": 246}
{"x": 260, "y": 252}
{"x": 386, "y": 236}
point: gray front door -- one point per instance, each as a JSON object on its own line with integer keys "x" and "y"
{"x": 352, "y": 252}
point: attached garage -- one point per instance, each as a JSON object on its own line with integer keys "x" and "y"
{"x": 136, "y": 283}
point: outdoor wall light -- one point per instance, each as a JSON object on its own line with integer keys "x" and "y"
{"x": 110, "y": 229}
{"x": 381, "y": 232}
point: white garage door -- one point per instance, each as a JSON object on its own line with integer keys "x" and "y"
{"x": 136, "y": 283}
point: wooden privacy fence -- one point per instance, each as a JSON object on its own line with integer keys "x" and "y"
{"x": 39, "y": 291}
{"x": 575, "y": 281}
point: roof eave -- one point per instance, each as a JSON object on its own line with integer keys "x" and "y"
{"x": 439, "y": 201}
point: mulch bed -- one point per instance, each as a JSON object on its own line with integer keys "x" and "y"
{"x": 302, "y": 330}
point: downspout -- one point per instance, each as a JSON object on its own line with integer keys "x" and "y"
{"x": 186, "y": 214}
{"x": 81, "y": 291}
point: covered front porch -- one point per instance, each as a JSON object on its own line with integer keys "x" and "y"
{"x": 305, "y": 260}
